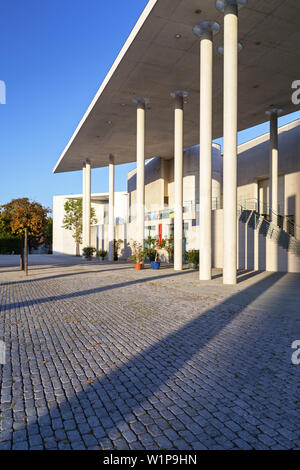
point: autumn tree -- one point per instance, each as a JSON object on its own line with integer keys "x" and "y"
{"x": 73, "y": 220}
{"x": 22, "y": 213}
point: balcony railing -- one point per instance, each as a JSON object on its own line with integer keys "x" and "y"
{"x": 189, "y": 207}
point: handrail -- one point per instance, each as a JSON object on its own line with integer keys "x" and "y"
{"x": 270, "y": 230}
{"x": 253, "y": 204}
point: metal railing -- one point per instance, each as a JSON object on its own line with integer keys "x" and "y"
{"x": 189, "y": 207}
{"x": 284, "y": 222}
{"x": 269, "y": 229}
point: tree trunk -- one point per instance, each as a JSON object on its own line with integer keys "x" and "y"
{"x": 26, "y": 252}
{"x": 77, "y": 249}
{"x": 22, "y": 259}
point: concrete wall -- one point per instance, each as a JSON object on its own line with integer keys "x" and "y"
{"x": 253, "y": 169}
{"x": 255, "y": 252}
{"x": 63, "y": 242}
{"x": 159, "y": 180}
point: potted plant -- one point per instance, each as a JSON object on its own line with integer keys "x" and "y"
{"x": 168, "y": 245}
{"x": 117, "y": 246}
{"x": 88, "y": 252}
{"x": 192, "y": 257}
{"x": 150, "y": 248}
{"x": 156, "y": 263}
{"x": 101, "y": 254}
{"x": 151, "y": 251}
{"x": 138, "y": 255}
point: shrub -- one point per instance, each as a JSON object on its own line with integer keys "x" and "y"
{"x": 9, "y": 245}
{"x": 101, "y": 254}
{"x": 192, "y": 257}
{"x": 88, "y": 252}
{"x": 168, "y": 245}
{"x": 151, "y": 247}
{"x": 117, "y": 246}
{"x": 138, "y": 254}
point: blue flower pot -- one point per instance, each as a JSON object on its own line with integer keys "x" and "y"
{"x": 155, "y": 264}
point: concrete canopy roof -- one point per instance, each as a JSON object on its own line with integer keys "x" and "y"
{"x": 95, "y": 197}
{"x": 153, "y": 63}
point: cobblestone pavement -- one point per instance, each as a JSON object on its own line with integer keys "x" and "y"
{"x": 103, "y": 357}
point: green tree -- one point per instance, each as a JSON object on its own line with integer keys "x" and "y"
{"x": 47, "y": 237}
{"x": 73, "y": 220}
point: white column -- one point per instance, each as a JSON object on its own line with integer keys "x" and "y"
{"x": 205, "y": 31}
{"x": 111, "y": 206}
{"x": 84, "y": 231}
{"x": 230, "y": 138}
{"x": 273, "y": 164}
{"x": 178, "y": 178}
{"x": 86, "y": 205}
{"x": 140, "y": 171}
{"x": 273, "y": 186}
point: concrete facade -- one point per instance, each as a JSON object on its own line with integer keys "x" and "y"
{"x": 255, "y": 251}
{"x": 63, "y": 242}
{"x": 159, "y": 194}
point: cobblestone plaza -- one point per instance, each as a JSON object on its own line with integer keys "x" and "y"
{"x": 99, "y": 356}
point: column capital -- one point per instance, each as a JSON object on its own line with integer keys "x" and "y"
{"x": 179, "y": 96}
{"x": 206, "y": 29}
{"x": 221, "y": 48}
{"x": 273, "y": 111}
{"x": 86, "y": 162}
{"x": 141, "y": 102}
{"x": 230, "y": 6}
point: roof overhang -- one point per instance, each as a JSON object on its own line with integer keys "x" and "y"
{"x": 153, "y": 63}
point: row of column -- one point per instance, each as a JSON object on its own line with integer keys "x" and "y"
{"x": 205, "y": 31}
{"x": 86, "y": 205}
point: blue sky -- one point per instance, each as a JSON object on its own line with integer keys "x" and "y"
{"x": 54, "y": 56}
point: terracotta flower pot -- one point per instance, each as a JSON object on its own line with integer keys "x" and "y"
{"x": 138, "y": 266}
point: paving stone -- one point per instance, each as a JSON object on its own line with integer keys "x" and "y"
{"x": 20, "y": 445}
{"x": 103, "y": 369}
{"x": 163, "y": 442}
{"x": 5, "y": 446}
{"x": 78, "y": 445}
{"x": 129, "y": 436}
{"x": 138, "y": 428}
{"x": 122, "y": 444}
{"x": 89, "y": 440}
{"x": 35, "y": 440}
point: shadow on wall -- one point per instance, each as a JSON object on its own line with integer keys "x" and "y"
{"x": 289, "y": 162}
{"x": 152, "y": 173}
{"x": 114, "y": 397}
{"x": 291, "y": 212}
{"x": 257, "y": 251}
